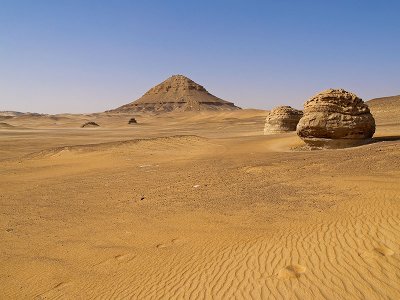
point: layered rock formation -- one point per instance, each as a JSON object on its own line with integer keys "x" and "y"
{"x": 336, "y": 118}
{"x": 282, "y": 119}
{"x": 177, "y": 93}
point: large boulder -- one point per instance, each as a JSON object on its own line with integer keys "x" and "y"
{"x": 336, "y": 118}
{"x": 282, "y": 119}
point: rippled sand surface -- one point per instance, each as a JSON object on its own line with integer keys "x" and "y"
{"x": 188, "y": 206}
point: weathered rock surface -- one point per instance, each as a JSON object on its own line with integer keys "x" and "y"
{"x": 336, "y": 118}
{"x": 282, "y": 119}
{"x": 177, "y": 93}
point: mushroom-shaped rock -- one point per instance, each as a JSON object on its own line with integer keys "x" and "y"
{"x": 335, "y": 118}
{"x": 282, "y": 119}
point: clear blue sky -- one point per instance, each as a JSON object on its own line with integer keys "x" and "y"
{"x": 88, "y": 56}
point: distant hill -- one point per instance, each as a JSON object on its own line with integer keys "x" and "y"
{"x": 386, "y": 110}
{"x": 8, "y": 113}
{"x": 177, "y": 93}
{"x": 385, "y": 102}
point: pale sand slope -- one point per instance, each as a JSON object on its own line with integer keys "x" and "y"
{"x": 222, "y": 216}
{"x": 386, "y": 110}
{"x": 35, "y": 133}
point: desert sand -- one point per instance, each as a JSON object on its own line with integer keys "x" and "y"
{"x": 195, "y": 205}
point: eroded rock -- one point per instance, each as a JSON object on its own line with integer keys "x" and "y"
{"x": 336, "y": 118}
{"x": 282, "y": 119}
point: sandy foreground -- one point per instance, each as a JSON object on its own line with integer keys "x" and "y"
{"x": 194, "y": 206}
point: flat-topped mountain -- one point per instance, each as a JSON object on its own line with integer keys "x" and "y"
{"x": 177, "y": 93}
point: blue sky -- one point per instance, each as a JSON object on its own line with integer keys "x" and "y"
{"x": 89, "y": 56}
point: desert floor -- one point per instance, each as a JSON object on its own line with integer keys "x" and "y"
{"x": 194, "y": 205}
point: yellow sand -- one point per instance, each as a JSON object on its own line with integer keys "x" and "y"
{"x": 194, "y": 206}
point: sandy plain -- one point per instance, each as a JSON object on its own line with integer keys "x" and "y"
{"x": 195, "y": 206}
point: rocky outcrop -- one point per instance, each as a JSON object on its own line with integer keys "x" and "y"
{"x": 90, "y": 124}
{"x": 282, "y": 119}
{"x": 177, "y": 93}
{"x": 336, "y": 118}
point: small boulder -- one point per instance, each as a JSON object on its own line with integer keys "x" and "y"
{"x": 336, "y": 118}
{"x": 282, "y": 119}
{"x": 90, "y": 124}
{"x": 132, "y": 121}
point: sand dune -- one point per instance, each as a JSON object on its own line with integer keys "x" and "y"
{"x": 4, "y": 125}
{"x": 213, "y": 210}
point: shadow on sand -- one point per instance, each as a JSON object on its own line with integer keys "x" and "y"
{"x": 390, "y": 138}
